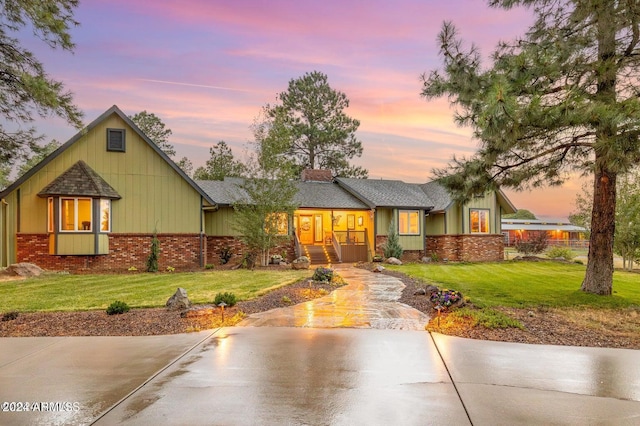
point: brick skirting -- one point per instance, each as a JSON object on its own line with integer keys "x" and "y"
{"x": 180, "y": 251}
{"x": 215, "y": 246}
{"x": 469, "y": 248}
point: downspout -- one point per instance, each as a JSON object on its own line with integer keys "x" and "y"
{"x": 201, "y": 232}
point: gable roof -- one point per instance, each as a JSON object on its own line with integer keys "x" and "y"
{"x": 318, "y": 195}
{"x": 80, "y": 180}
{"x": 113, "y": 110}
{"x": 441, "y": 198}
{"x": 387, "y": 193}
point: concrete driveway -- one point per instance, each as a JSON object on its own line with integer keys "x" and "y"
{"x": 313, "y": 376}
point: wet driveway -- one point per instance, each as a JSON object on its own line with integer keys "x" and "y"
{"x": 382, "y": 370}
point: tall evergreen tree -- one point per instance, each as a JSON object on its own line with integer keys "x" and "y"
{"x": 155, "y": 129}
{"x": 563, "y": 98}
{"x": 25, "y": 88}
{"x": 220, "y": 164}
{"x": 320, "y": 135}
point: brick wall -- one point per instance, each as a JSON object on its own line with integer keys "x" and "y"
{"x": 180, "y": 251}
{"x": 467, "y": 247}
{"x": 215, "y": 245}
{"x": 407, "y": 255}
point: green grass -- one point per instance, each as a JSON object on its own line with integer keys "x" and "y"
{"x": 53, "y": 292}
{"x": 525, "y": 284}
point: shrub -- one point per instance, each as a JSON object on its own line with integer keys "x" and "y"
{"x": 9, "y": 316}
{"x": 228, "y": 298}
{"x": 152, "y": 260}
{"x": 209, "y": 266}
{"x": 225, "y": 255}
{"x": 534, "y": 245}
{"x": 323, "y": 274}
{"x": 286, "y": 299}
{"x": 560, "y": 252}
{"x": 392, "y": 247}
{"x": 117, "y": 308}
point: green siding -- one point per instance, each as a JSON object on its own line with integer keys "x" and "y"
{"x": 154, "y": 196}
{"x": 220, "y": 222}
{"x": 435, "y": 224}
{"x": 69, "y": 244}
{"x": 488, "y": 202}
{"x": 384, "y": 217}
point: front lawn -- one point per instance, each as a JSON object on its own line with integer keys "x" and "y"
{"x": 525, "y": 284}
{"x": 54, "y": 292}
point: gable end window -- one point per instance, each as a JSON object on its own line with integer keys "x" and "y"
{"x": 116, "y": 140}
{"x": 409, "y": 222}
{"x": 479, "y": 221}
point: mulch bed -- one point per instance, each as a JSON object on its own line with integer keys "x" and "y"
{"x": 572, "y": 327}
{"x": 155, "y": 321}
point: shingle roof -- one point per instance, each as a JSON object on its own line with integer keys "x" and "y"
{"x": 438, "y": 194}
{"x": 326, "y": 195}
{"x": 80, "y": 180}
{"x": 387, "y": 193}
{"x": 224, "y": 192}
{"x": 319, "y": 195}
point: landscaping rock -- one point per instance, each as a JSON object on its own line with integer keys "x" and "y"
{"x": 431, "y": 289}
{"x": 301, "y": 263}
{"x": 420, "y": 292}
{"x": 378, "y": 268}
{"x": 425, "y": 260}
{"x": 25, "y": 270}
{"x": 394, "y": 261}
{"x": 179, "y": 300}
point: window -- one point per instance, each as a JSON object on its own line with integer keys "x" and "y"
{"x": 50, "y": 216}
{"x": 279, "y": 221}
{"x": 116, "y": 140}
{"x": 409, "y": 222}
{"x": 105, "y": 215}
{"x": 479, "y": 221}
{"x": 75, "y": 214}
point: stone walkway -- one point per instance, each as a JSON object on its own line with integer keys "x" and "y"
{"x": 369, "y": 300}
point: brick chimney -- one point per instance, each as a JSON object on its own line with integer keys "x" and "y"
{"x": 316, "y": 175}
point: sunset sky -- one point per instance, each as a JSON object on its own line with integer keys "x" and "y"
{"x": 207, "y": 67}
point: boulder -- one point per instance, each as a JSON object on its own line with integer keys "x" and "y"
{"x": 25, "y": 270}
{"x": 179, "y": 300}
{"x": 431, "y": 289}
{"x": 425, "y": 259}
{"x": 301, "y": 263}
{"x": 420, "y": 292}
{"x": 394, "y": 261}
{"x": 378, "y": 268}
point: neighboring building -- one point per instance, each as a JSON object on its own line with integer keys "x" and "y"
{"x": 95, "y": 203}
{"x": 560, "y": 232}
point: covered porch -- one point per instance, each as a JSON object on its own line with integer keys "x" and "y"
{"x": 327, "y": 236}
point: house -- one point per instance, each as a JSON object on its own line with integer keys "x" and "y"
{"x": 96, "y": 203}
{"x": 560, "y": 232}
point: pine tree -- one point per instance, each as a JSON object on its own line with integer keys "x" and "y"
{"x": 392, "y": 247}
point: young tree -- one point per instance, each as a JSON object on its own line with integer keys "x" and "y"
{"x": 25, "y": 88}
{"x": 155, "y": 129}
{"x": 562, "y": 99}
{"x": 319, "y": 133}
{"x": 581, "y": 216}
{"x": 220, "y": 164}
{"x": 186, "y": 165}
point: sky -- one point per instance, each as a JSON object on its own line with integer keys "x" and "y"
{"x": 206, "y": 68}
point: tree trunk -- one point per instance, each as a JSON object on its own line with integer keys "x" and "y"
{"x": 599, "y": 276}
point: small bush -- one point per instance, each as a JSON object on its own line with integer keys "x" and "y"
{"x": 9, "y": 316}
{"x": 534, "y": 245}
{"x": 560, "y": 252}
{"x": 225, "y": 255}
{"x": 117, "y": 308}
{"x": 228, "y": 298}
{"x": 323, "y": 274}
{"x": 392, "y": 247}
{"x": 209, "y": 266}
{"x": 286, "y": 299}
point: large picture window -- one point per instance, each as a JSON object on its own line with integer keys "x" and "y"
{"x": 75, "y": 214}
{"x": 479, "y": 221}
{"x": 409, "y": 222}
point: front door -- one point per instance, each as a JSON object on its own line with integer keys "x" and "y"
{"x": 305, "y": 229}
